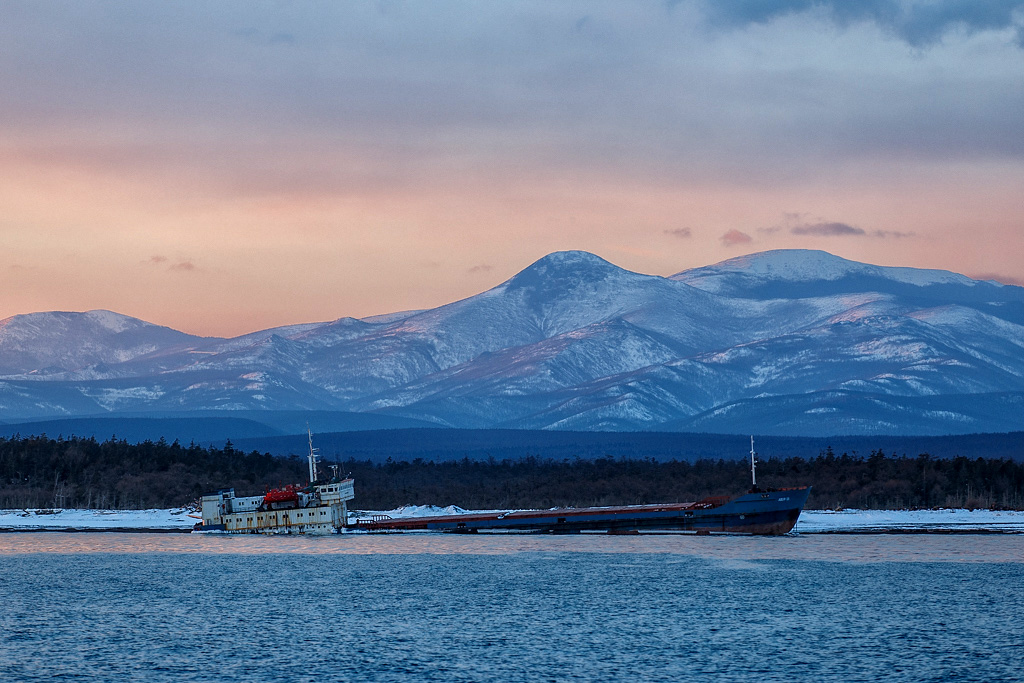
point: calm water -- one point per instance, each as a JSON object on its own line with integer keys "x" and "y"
{"x": 151, "y": 607}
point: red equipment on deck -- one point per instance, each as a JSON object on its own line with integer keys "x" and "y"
{"x": 285, "y": 494}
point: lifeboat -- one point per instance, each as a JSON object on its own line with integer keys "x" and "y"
{"x": 285, "y": 494}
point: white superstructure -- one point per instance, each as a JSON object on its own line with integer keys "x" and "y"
{"x": 319, "y": 508}
{"x": 323, "y": 510}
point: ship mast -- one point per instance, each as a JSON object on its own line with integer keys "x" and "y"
{"x": 313, "y": 457}
{"x": 753, "y": 465}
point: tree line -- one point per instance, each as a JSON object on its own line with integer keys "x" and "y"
{"x": 41, "y": 472}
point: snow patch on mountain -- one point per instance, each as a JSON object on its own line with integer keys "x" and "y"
{"x": 110, "y": 398}
{"x": 387, "y": 318}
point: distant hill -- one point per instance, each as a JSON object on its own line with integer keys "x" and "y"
{"x": 786, "y": 342}
{"x": 484, "y": 444}
{"x": 854, "y": 412}
{"x": 204, "y": 427}
{"x": 363, "y": 439}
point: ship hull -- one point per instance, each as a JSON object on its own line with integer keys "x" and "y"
{"x": 303, "y": 530}
{"x": 758, "y": 512}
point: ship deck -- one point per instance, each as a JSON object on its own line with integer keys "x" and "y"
{"x": 758, "y": 512}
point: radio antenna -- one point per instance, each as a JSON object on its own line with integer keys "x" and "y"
{"x": 753, "y": 465}
{"x": 314, "y": 458}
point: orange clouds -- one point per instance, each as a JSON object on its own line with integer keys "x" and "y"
{"x": 264, "y": 261}
{"x": 239, "y": 169}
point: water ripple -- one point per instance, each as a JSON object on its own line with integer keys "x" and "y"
{"x": 162, "y": 608}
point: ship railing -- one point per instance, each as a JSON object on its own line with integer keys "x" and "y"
{"x": 711, "y": 502}
{"x": 372, "y": 522}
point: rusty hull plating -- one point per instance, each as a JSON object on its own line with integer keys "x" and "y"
{"x": 762, "y": 512}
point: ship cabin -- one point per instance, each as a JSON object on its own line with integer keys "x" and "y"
{"x": 320, "y": 509}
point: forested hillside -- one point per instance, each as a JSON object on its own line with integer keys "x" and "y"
{"x": 85, "y": 473}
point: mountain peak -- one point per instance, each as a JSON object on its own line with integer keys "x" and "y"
{"x": 571, "y": 259}
{"x": 792, "y": 266}
{"x": 791, "y": 260}
{"x": 115, "y": 322}
{"x": 100, "y": 318}
{"x": 562, "y": 271}
{"x": 73, "y": 340}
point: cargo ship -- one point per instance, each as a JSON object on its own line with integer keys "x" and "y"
{"x": 319, "y": 507}
{"x": 759, "y": 511}
{"x": 322, "y": 508}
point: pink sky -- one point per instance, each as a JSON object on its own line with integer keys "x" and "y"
{"x": 221, "y": 170}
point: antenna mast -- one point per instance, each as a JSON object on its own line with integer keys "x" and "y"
{"x": 313, "y": 457}
{"x": 753, "y": 465}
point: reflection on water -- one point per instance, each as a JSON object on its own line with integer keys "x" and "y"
{"x": 832, "y": 548}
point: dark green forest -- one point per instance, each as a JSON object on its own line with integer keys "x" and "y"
{"x": 40, "y": 472}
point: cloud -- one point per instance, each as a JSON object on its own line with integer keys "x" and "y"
{"x": 681, "y": 233}
{"x": 919, "y": 24}
{"x": 181, "y": 265}
{"x": 1005, "y": 279}
{"x": 826, "y": 229}
{"x": 893, "y": 234}
{"x": 481, "y": 268}
{"x": 734, "y": 237}
{"x": 278, "y": 121}
{"x": 799, "y": 224}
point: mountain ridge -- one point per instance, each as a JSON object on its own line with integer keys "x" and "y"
{"x": 572, "y": 341}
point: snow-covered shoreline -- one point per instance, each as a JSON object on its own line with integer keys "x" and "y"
{"x": 175, "y": 519}
{"x": 880, "y": 521}
{"x": 811, "y": 521}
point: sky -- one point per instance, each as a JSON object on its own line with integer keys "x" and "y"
{"x": 227, "y": 167}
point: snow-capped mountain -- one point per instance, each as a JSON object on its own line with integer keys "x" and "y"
{"x": 575, "y": 342}
{"x": 42, "y": 343}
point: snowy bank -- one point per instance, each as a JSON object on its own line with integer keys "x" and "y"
{"x": 414, "y": 511}
{"x": 877, "y": 521}
{"x": 176, "y": 519}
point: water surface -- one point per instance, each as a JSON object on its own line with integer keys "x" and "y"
{"x": 168, "y": 607}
